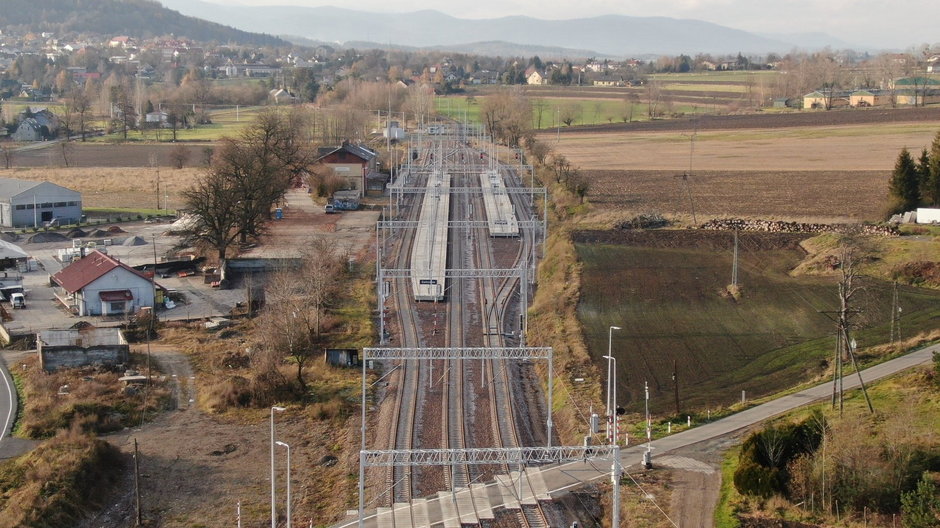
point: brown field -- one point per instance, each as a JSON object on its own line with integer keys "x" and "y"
{"x": 842, "y": 148}
{"x": 107, "y": 155}
{"x": 126, "y": 187}
{"x": 837, "y": 172}
{"x": 803, "y": 195}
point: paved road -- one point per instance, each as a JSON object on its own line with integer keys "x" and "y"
{"x": 7, "y": 401}
{"x": 563, "y": 477}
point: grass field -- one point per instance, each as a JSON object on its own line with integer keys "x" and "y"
{"x": 129, "y": 189}
{"x": 590, "y": 110}
{"x": 225, "y": 122}
{"x": 668, "y": 298}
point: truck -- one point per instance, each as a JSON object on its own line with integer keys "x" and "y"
{"x": 18, "y": 300}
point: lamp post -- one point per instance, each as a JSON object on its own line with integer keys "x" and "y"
{"x": 282, "y": 444}
{"x": 611, "y": 406}
{"x": 273, "y": 508}
{"x": 615, "y": 463}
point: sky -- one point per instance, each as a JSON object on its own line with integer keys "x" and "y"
{"x": 870, "y": 24}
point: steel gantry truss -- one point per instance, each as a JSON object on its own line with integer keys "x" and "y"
{"x": 520, "y": 456}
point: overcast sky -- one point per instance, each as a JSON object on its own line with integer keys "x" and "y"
{"x": 895, "y": 24}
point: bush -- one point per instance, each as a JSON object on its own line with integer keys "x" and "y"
{"x": 921, "y": 506}
{"x": 767, "y": 454}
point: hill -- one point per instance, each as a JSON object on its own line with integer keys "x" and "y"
{"x": 136, "y": 18}
{"x": 614, "y": 35}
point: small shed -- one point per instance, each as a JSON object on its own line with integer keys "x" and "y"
{"x": 342, "y": 357}
{"x": 81, "y": 347}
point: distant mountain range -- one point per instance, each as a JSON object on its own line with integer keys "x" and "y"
{"x": 608, "y": 35}
{"x": 135, "y": 18}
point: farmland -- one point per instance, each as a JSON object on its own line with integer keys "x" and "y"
{"x": 666, "y": 289}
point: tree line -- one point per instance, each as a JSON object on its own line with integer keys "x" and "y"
{"x": 916, "y": 182}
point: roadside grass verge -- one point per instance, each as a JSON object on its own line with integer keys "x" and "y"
{"x": 93, "y": 398}
{"x": 55, "y": 484}
{"x": 906, "y": 413}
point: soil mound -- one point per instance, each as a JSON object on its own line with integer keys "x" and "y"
{"x": 76, "y": 233}
{"x": 9, "y": 237}
{"x": 133, "y": 241}
{"x": 116, "y": 229}
{"x": 40, "y": 238}
{"x": 98, "y": 233}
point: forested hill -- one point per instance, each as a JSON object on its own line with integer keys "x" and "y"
{"x": 135, "y": 18}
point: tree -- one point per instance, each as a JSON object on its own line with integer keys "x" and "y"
{"x": 507, "y": 114}
{"x": 933, "y": 170}
{"x": 903, "y": 186}
{"x": 77, "y": 105}
{"x": 304, "y": 84}
{"x": 179, "y": 155}
{"x": 921, "y": 506}
{"x": 569, "y": 113}
{"x": 295, "y": 301}
{"x": 212, "y": 200}
{"x": 7, "y": 153}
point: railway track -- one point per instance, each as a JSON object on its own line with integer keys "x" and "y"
{"x": 471, "y": 249}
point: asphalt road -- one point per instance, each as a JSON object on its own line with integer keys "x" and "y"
{"x": 560, "y": 478}
{"x": 7, "y": 403}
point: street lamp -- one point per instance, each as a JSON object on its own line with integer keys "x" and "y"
{"x": 282, "y": 444}
{"x": 615, "y": 463}
{"x": 610, "y": 408}
{"x": 273, "y": 508}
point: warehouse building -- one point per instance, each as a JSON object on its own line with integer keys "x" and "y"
{"x": 25, "y": 203}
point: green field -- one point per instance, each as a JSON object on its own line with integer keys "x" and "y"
{"x": 590, "y": 111}
{"x": 227, "y": 121}
{"x": 669, "y": 302}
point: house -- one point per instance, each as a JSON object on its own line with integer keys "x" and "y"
{"x": 349, "y": 161}
{"x": 156, "y": 119}
{"x": 81, "y": 347}
{"x": 864, "y": 98}
{"x": 36, "y": 125}
{"x": 826, "y": 99}
{"x": 26, "y": 203}
{"x": 533, "y": 76}
{"x": 282, "y": 96}
{"x": 98, "y": 284}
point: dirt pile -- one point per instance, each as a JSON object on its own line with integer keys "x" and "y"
{"x": 133, "y": 241}
{"x": 40, "y": 238}
{"x": 76, "y": 233}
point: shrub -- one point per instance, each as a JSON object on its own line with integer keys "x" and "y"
{"x": 921, "y": 506}
{"x": 767, "y": 454}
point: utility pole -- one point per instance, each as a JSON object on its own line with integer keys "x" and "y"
{"x": 734, "y": 265}
{"x": 137, "y": 482}
{"x": 675, "y": 385}
{"x": 895, "y": 315}
{"x": 846, "y": 292}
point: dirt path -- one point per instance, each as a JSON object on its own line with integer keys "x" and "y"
{"x": 192, "y": 466}
{"x": 696, "y": 480}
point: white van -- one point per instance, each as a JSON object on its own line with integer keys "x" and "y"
{"x": 18, "y": 300}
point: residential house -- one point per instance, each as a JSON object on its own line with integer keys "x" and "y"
{"x": 533, "y": 76}
{"x": 282, "y": 96}
{"x": 98, "y": 284}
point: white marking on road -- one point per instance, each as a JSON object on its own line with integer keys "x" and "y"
{"x": 6, "y": 423}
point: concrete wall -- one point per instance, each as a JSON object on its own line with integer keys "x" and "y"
{"x": 56, "y": 357}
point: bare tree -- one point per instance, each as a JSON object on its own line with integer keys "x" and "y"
{"x": 179, "y": 155}
{"x": 296, "y": 300}
{"x": 7, "y": 153}
{"x": 570, "y": 113}
{"x": 212, "y": 201}
{"x": 66, "y": 149}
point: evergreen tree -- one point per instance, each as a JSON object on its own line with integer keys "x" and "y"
{"x": 904, "y": 186}
{"x": 927, "y": 193}
{"x": 933, "y": 177}
{"x": 921, "y": 506}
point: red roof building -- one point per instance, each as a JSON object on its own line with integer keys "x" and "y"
{"x": 98, "y": 284}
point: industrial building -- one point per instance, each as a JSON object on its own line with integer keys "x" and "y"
{"x": 25, "y": 203}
